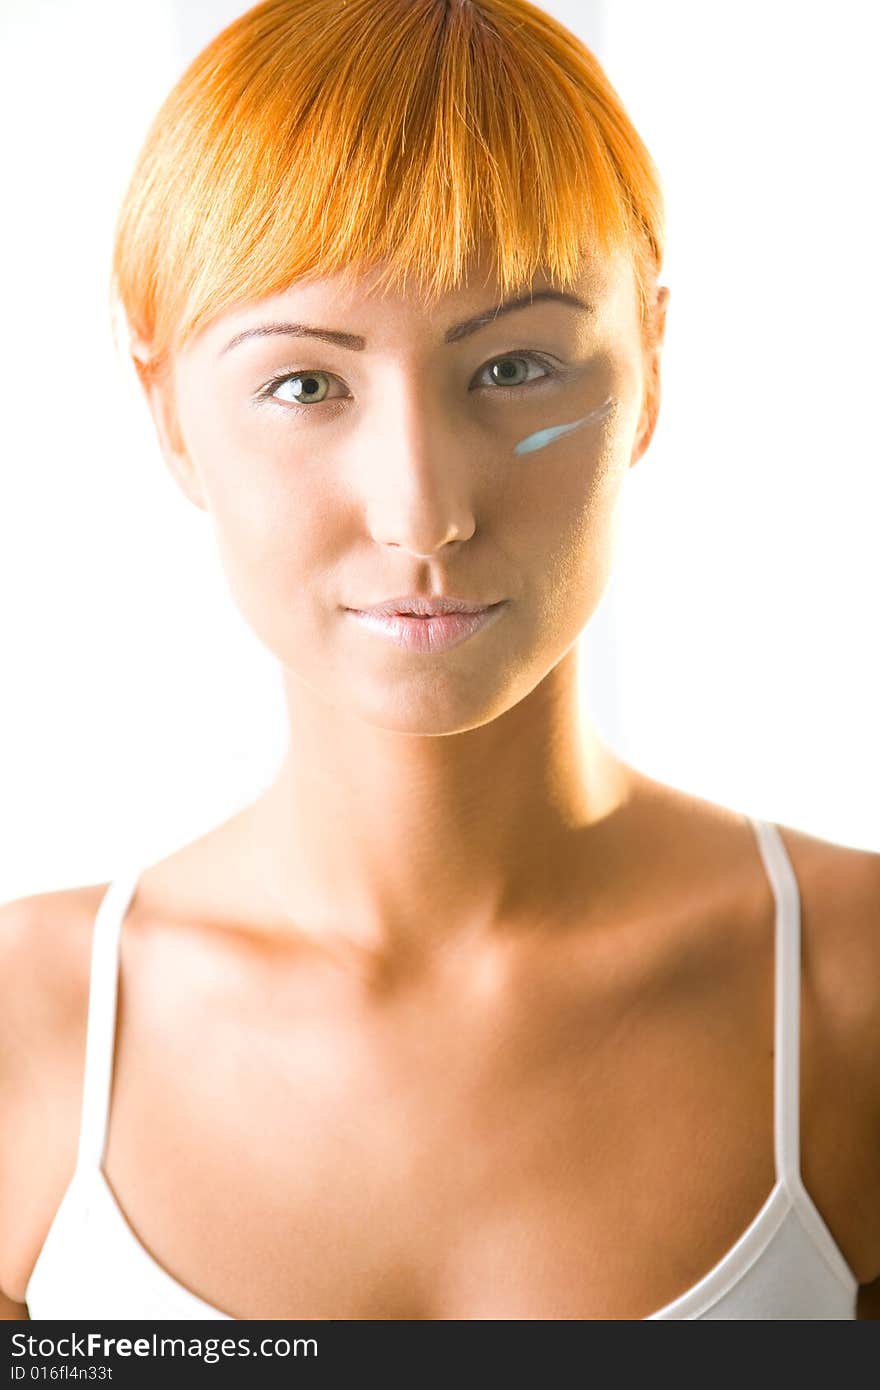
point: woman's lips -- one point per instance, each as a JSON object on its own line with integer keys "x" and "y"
{"x": 436, "y": 633}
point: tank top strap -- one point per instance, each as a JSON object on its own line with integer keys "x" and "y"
{"x": 101, "y": 1020}
{"x": 787, "y": 993}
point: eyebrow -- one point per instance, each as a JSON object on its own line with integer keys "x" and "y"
{"x": 356, "y": 343}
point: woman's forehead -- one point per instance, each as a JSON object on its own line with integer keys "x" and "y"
{"x": 346, "y": 305}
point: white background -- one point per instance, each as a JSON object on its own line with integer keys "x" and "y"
{"x": 736, "y": 650}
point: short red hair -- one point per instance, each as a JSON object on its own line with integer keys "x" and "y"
{"x": 313, "y": 137}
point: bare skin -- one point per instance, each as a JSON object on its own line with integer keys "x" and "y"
{"x": 568, "y": 1120}
{"x": 465, "y": 1017}
{"x": 479, "y": 760}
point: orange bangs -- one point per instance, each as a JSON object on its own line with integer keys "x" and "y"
{"x": 316, "y": 137}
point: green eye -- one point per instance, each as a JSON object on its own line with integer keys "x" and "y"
{"x": 507, "y": 371}
{"x": 306, "y": 388}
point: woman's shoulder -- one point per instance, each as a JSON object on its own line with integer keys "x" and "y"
{"x": 45, "y": 941}
{"x": 839, "y": 892}
{"x": 839, "y": 895}
{"x": 839, "y": 888}
{"x": 840, "y": 944}
{"x": 45, "y": 959}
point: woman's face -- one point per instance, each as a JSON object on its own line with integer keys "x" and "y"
{"x": 339, "y": 474}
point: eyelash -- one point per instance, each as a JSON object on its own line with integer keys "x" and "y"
{"x": 265, "y": 394}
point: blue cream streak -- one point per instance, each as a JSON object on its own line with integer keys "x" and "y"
{"x": 542, "y": 437}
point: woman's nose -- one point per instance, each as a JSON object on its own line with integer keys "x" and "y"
{"x": 420, "y": 534}
{"x": 422, "y": 491}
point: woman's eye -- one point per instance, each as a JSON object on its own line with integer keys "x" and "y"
{"x": 305, "y": 388}
{"x": 507, "y": 371}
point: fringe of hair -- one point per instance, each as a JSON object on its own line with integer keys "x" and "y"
{"x": 321, "y": 137}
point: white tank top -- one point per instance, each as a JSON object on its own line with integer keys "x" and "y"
{"x": 786, "y": 1264}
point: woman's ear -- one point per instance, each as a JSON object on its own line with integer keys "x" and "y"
{"x": 159, "y": 392}
{"x": 651, "y": 407}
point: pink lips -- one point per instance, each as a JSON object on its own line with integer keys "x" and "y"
{"x": 430, "y": 633}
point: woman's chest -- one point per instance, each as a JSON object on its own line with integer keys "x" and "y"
{"x": 575, "y": 1158}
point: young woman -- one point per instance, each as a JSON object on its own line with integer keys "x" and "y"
{"x": 464, "y": 1017}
